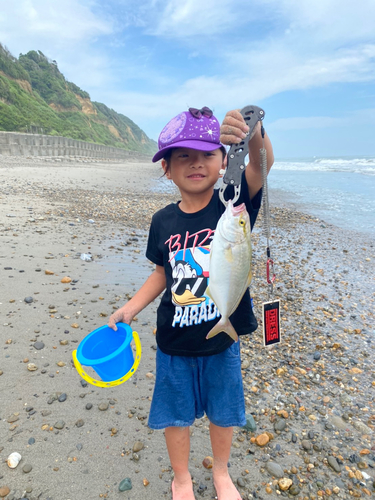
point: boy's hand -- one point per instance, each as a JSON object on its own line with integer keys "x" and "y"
{"x": 120, "y": 316}
{"x": 234, "y": 129}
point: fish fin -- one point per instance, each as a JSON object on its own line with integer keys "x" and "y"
{"x": 249, "y": 278}
{"x": 223, "y": 326}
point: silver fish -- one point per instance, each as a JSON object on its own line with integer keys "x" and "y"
{"x": 230, "y": 265}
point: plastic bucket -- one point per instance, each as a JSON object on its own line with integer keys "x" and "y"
{"x": 109, "y": 353}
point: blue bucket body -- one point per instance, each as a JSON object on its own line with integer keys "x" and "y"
{"x": 108, "y": 352}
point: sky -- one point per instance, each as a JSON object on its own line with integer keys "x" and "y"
{"x": 309, "y": 64}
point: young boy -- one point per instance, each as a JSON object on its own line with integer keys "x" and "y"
{"x": 196, "y": 376}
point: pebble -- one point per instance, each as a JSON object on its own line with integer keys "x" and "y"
{"x": 245, "y": 364}
{"x": 262, "y": 439}
{"x": 250, "y": 425}
{"x": 29, "y": 300}
{"x": 138, "y": 446}
{"x": 14, "y": 459}
{"x": 4, "y": 491}
{"x": 38, "y": 345}
{"x": 13, "y": 419}
{"x": 240, "y": 482}
{"x": 334, "y": 464}
{"x": 62, "y": 397}
{"x": 59, "y": 425}
{"x": 361, "y": 427}
{"x": 88, "y": 406}
{"x": 294, "y": 490}
{"x": 285, "y": 483}
{"x": 306, "y": 445}
{"x": 338, "y": 422}
{"x": 103, "y": 406}
{"x": 125, "y": 485}
{"x": 208, "y": 462}
{"x": 280, "y": 425}
{"x": 274, "y": 469}
{"x": 27, "y": 468}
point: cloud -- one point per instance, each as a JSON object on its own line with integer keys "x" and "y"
{"x": 194, "y": 18}
{"x": 42, "y": 24}
{"x": 363, "y": 117}
{"x": 266, "y": 75}
{"x": 151, "y": 59}
{"x": 307, "y": 47}
{"x": 287, "y": 70}
{"x": 65, "y": 31}
{"x": 328, "y": 21}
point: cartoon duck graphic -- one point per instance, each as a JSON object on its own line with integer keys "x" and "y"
{"x": 190, "y": 276}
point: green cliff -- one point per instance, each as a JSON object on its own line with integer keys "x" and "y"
{"x": 35, "y": 97}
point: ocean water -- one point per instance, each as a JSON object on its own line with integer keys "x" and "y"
{"x": 338, "y": 190}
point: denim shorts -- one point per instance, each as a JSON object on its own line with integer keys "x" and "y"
{"x": 186, "y": 388}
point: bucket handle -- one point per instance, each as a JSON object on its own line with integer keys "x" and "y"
{"x": 112, "y": 383}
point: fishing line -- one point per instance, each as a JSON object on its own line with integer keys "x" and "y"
{"x": 271, "y": 309}
{"x": 266, "y": 215}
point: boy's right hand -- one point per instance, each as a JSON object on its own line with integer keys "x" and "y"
{"x": 234, "y": 128}
{"x": 120, "y": 316}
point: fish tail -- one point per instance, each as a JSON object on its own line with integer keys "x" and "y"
{"x": 223, "y": 326}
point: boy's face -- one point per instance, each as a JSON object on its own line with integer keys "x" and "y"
{"x": 194, "y": 172}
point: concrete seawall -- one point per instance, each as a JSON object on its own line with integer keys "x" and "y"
{"x": 19, "y": 144}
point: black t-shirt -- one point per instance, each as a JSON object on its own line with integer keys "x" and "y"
{"x": 180, "y": 242}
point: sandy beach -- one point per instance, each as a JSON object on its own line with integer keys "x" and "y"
{"x": 311, "y": 397}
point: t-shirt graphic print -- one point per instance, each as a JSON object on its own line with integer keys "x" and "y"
{"x": 190, "y": 273}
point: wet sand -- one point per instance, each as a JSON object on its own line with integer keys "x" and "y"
{"x": 313, "y": 394}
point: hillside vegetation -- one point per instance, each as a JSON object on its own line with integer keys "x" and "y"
{"x": 36, "y": 97}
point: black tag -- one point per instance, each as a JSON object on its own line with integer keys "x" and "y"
{"x": 271, "y": 323}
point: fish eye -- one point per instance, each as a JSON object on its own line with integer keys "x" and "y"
{"x": 242, "y": 222}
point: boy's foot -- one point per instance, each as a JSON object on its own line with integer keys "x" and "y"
{"x": 225, "y": 488}
{"x": 182, "y": 491}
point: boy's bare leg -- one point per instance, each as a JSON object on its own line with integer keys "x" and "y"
{"x": 221, "y": 442}
{"x": 178, "y": 444}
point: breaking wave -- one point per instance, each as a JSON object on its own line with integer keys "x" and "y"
{"x": 362, "y": 165}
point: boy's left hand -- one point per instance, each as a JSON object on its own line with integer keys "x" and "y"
{"x": 234, "y": 129}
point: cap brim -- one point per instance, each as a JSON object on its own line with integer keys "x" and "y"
{"x": 197, "y": 145}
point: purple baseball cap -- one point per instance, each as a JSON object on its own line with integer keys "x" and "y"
{"x": 195, "y": 129}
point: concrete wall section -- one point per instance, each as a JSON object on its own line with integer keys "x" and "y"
{"x": 17, "y": 144}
